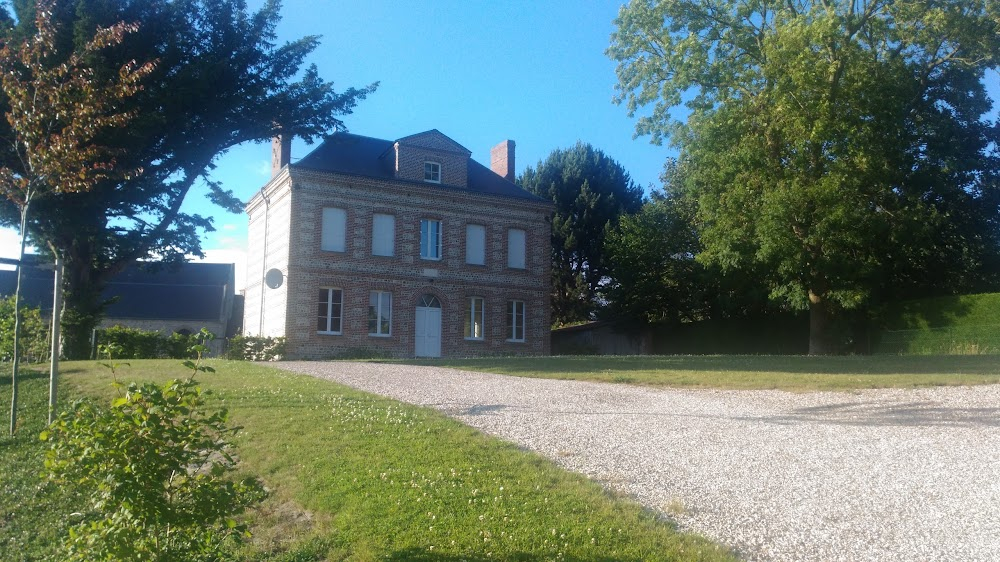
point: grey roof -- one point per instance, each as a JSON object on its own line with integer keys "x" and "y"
{"x": 346, "y": 153}
{"x": 189, "y": 291}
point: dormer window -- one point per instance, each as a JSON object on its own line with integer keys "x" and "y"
{"x": 432, "y": 172}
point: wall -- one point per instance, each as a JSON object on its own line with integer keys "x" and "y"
{"x": 270, "y": 214}
{"x": 406, "y": 275}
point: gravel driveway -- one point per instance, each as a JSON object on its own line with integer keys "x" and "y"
{"x": 870, "y": 475}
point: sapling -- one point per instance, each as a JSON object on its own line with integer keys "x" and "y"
{"x": 155, "y": 470}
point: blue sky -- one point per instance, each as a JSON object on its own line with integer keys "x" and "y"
{"x": 480, "y": 72}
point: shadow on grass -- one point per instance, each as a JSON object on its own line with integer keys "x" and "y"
{"x": 930, "y": 313}
{"x": 22, "y": 376}
{"x": 424, "y": 555}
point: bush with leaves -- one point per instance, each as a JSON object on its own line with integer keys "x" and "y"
{"x": 255, "y": 348}
{"x": 34, "y": 341}
{"x": 135, "y": 343}
{"x": 130, "y": 343}
{"x": 156, "y": 471}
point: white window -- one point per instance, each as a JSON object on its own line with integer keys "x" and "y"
{"x": 515, "y": 320}
{"x": 379, "y": 313}
{"x": 334, "y": 237}
{"x": 432, "y": 172}
{"x": 475, "y": 318}
{"x": 515, "y": 248}
{"x": 475, "y": 244}
{"x": 430, "y": 239}
{"x": 383, "y": 235}
{"x": 330, "y": 310}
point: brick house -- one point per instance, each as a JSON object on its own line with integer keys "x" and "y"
{"x": 401, "y": 248}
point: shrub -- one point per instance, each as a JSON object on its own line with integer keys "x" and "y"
{"x": 154, "y": 468}
{"x": 34, "y": 341}
{"x": 131, "y": 343}
{"x": 255, "y": 348}
{"x": 135, "y": 343}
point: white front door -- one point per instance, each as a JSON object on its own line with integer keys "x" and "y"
{"x": 427, "y": 335}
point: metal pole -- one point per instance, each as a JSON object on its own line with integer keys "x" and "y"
{"x": 56, "y": 319}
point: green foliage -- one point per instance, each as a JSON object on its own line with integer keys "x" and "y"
{"x": 34, "y": 515}
{"x": 131, "y": 343}
{"x": 650, "y": 257}
{"x": 34, "y": 340}
{"x": 155, "y": 468}
{"x": 135, "y": 343}
{"x": 955, "y": 325}
{"x": 590, "y": 191}
{"x": 255, "y": 348}
{"x": 837, "y": 150}
{"x": 220, "y": 80}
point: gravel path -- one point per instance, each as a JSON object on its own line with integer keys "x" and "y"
{"x": 880, "y": 475}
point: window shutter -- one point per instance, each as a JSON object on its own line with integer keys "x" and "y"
{"x": 334, "y": 237}
{"x": 475, "y": 244}
{"x": 383, "y": 235}
{"x": 515, "y": 248}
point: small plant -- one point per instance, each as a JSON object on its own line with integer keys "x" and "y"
{"x": 255, "y": 348}
{"x": 155, "y": 470}
{"x": 34, "y": 341}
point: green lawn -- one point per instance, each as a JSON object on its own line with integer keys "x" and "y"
{"x": 357, "y": 477}
{"x": 786, "y": 372}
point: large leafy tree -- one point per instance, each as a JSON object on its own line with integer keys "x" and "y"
{"x": 590, "y": 191}
{"x": 840, "y": 148}
{"x": 219, "y": 80}
{"x": 57, "y": 111}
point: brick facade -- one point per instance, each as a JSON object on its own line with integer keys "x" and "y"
{"x": 293, "y": 203}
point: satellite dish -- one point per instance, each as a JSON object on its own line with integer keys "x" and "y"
{"x": 273, "y": 278}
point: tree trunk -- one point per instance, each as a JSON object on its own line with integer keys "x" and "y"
{"x": 83, "y": 308}
{"x": 16, "y": 359}
{"x": 822, "y": 334}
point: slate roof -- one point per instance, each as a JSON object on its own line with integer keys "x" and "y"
{"x": 356, "y": 155}
{"x": 192, "y": 291}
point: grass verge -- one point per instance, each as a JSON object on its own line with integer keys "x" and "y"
{"x": 33, "y": 515}
{"x": 784, "y": 372}
{"x": 358, "y": 477}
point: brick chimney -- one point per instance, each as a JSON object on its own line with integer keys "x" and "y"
{"x": 281, "y": 153}
{"x": 502, "y": 160}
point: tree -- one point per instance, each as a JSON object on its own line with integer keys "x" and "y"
{"x": 590, "y": 191}
{"x": 56, "y": 112}
{"x": 651, "y": 262}
{"x": 154, "y": 471}
{"x": 219, "y": 81}
{"x": 838, "y": 147}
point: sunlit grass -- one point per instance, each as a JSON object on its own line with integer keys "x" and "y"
{"x": 786, "y": 372}
{"x": 358, "y": 477}
{"x": 33, "y": 515}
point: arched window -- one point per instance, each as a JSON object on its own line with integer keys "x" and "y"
{"x": 429, "y": 301}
